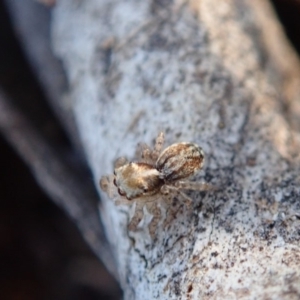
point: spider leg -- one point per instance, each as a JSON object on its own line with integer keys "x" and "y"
{"x": 139, "y": 151}
{"x": 173, "y": 207}
{"x": 144, "y": 154}
{"x": 107, "y": 186}
{"x": 158, "y": 146}
{"x": 154, "y": 209}
{"x": 137, "y": 217}
{"x": 122, "y": 200}
{"x": 174, "y": 191}
{"x": 195, "y": 186}
{"x": 119, "y": 162}
{"x": 170, "y": 207}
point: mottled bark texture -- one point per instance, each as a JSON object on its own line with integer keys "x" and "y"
{"x": 217, "y": 73}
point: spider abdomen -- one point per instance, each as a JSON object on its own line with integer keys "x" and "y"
{"x": 180, "y": 161}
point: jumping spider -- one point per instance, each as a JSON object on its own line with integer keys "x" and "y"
{"x": 157, "y": 175}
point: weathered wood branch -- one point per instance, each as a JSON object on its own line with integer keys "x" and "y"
{"x": 217, "y": 73}
{"x": 220, "y": 74}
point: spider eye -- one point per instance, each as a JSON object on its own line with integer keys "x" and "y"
{"x": 115, "y": 182}
{"x": 121, "y": 192}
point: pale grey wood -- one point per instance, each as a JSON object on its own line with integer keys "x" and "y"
{"x": 218, "y": 73}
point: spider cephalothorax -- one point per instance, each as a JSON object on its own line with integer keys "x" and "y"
{"x": 135, "y": 180}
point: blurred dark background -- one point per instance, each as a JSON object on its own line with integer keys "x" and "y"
{"x": 42, "y": 254}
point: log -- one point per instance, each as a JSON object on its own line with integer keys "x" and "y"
{"x": 217, "y": 73}
{"x": 222, "y": 75}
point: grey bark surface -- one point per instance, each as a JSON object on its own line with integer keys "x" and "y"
{"x": 217, "y": 73}
{"x": 220, "y": 74}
